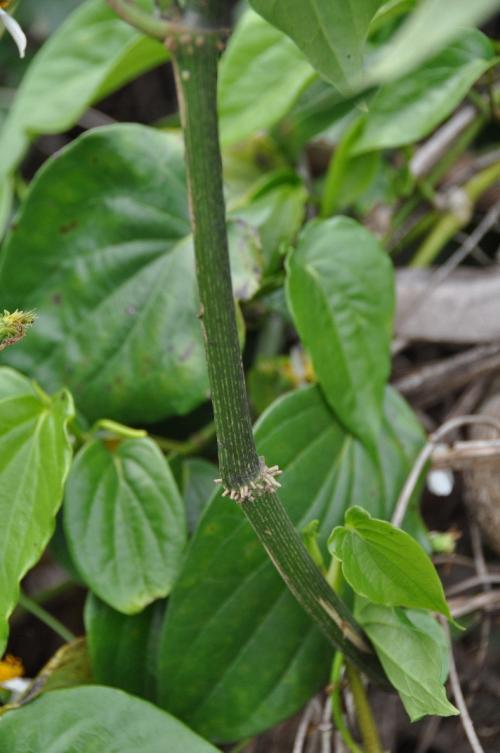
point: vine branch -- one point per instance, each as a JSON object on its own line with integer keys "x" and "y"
{"x": 195, "y": 45}
{"x": 152, "y": 26}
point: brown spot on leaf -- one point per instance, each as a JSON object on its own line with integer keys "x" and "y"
{"x": 68, "y": 227}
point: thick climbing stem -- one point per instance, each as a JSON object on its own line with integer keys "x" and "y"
{"x": 195, "y": 56}
{"x": 195, "y": 42}
{"x": 195, "y": 60}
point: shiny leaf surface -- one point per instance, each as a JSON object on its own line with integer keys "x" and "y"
{"x": 95, "y": 720}
{"x": 341, "y": 294}
{"x": 124, "y": 521}
{"x": 385, "y": 564}
{"x": 35, "y": 454}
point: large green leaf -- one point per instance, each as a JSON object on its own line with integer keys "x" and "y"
{"x": 91, "y": 54}
{"x": 35, "y": 454}
{"x": 238, "y": 654}
{"x": 261, "y": 74}
{"x": 331, "y": 34}
{"x": 434, "y": 27}
{"x": 413, "y": 650}
{"x": 124, "y": 648}
{"x": 108, "y": 265}
{"x": 406, "y": 110}
{"x": 95, "y": 720}
{"x": 341, "y": 293}
{"x": 107, "y": 262}
{"x": 124, "y": 521}
{"x": 385, "y": 564}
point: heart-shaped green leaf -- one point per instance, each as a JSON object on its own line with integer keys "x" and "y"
{"x": 407, "y": 110}
{"x": 35, "y": 454}
{"x": 95, "y": 720}
{"x": 331, "y": 33}
{"x": 89, "y": 56}
{"x": 413, "y": 650}
{"x": 341, "y": 293}
{"x": 385, "y": 564}
{"x": 262, "y": 73}
{"x": 124, "y": 521}
{"x": 107, "y": 262}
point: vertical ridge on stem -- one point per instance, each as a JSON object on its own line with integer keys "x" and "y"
{"x": 195, "y": 62}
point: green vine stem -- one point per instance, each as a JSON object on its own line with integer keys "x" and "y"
{"x": 364, "y": 716}
{"x": 148, "y": 24}
{"x": 34, "y": 608}
{"x": 336, "y": 703}
{"x": 451, "y": 222}
{"x": 195, "y": 49}
{"x": 190, "y": 446}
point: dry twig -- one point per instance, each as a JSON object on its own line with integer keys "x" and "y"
{"x": 311, "y": 713}
{"x": 456, "y": 688}
{"x": 426, "y": 453}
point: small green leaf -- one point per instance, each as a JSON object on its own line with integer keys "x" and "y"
{"x": 407, "y": 110}
{"x": 385, "y": 564}
{"x": 341, "y": 293}
{"x": 35, "y": 454}
{"x": 434, "y": 27}
{"x": 124, "y": 648}
{"x": 413, "y": 650}
{"x": 93, "y": 719}
{"x": 124, "y": 521}
{"x": 332, "y": 35}
{"x": 262, "y": 73}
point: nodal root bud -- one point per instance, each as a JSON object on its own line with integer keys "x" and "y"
{"x": 265, "y": 483}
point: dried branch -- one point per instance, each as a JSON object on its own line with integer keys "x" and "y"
{"x": 456, "y": 688}
{"x": 426, "y": 453}
{"x": 431, "y": 383}
{"x": 463, "y": 455}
